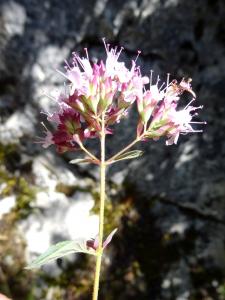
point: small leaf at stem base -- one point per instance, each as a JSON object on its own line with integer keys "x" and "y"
{"x": 59, "y": 250}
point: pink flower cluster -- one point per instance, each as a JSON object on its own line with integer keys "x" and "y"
{"x": 159, "y": 115}
{"x": 104, "y": 92}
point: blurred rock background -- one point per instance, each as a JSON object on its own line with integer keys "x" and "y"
{"x": 169, "y": 205}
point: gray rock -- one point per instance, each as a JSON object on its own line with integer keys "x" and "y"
{"x": 7, "y": 204}
{"x": 57, "y": 218}
{"x": 181, "y": 187}
{"x": 14, "y": 16}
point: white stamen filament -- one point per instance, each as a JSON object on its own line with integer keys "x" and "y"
{"x": 161, "y": 86}
{"x": 167, "y": 80}
{"x": 67, "y": 65}
{"x": 86, "y": 51}
{"x": 118, "y": 55}
{"x": 158, "y": 79}
{"x": 49, "y": 96}
{"x": 79, "y": 60}
{"x": 43, "y": 124}
{"x": 150, "y": 80}
{"x": 139, "y": 52}
{"x": 194, "y": 122}
{"x": 189, "y": 103}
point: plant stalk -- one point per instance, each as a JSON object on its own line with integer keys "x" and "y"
{"x": 101, "y": 212}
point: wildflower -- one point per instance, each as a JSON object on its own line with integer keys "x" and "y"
{"x": 159, "y": 115}
{"x": 109, "y": 89}
{"x": 147, "y": 103}
{"x": 47, "y": 140}
{"x": 181, "y": 123}
{"x": 104, "y": 87}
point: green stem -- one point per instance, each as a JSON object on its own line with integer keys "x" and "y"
{"x": 101, "y": 213}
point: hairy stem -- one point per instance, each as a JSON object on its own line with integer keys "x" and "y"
{"x": 101, "y": 213}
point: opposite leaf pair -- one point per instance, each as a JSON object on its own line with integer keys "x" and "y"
{"x": 81, "y": 245}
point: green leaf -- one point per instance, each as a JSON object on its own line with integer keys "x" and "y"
{"x": 59, "y": 250}
{"x": 129, "y": 155}
{"x": 80, "y": 161}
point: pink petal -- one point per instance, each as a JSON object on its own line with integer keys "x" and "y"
{"x": 75, "y": 77}
{"x": 96, "y": 242}
{"x": 109, "y": 238}
{"x": 48, "y": 140}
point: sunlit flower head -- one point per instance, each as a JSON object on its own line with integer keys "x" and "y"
{"x": 104, "y": 91}
{"x": 159, "y": 113}
{"x": 94, "y": 89}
